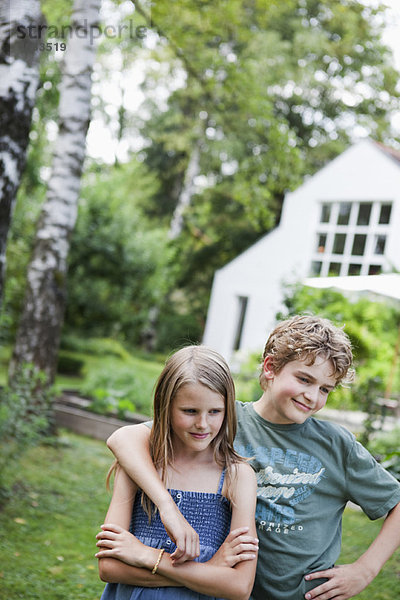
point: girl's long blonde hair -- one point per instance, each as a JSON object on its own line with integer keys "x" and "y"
{"x": 192, "y": 365}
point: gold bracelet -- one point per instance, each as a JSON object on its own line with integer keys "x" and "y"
{"x": 154, "y": 571}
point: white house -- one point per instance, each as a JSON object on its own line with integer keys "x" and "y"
{"x": 343, "y": 221}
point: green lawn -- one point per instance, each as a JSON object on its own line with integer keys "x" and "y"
{"x": 47, "y": 529}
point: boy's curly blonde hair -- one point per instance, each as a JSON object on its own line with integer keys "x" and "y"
{"x": 306, "y": 337}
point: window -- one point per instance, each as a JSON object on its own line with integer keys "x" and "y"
{"x": 325, "y": 213}
{"x": 344, "y": 213}
{"x": 359, "y": 245}
{"x": 351, "y": 236}
{"x": 334, "y": 268}
{"x": 338, "y": 243}
{"x": 380, "y": 243}
{"x": 321, "y": 243}
{"x": 316, "y": 268}
{"x": 384, "y": 217}
{"x": 354, "y": 269}
{"x": 243, "y": 300}
{"x": 364, "y": 213}
{"x": 374, "y": 269}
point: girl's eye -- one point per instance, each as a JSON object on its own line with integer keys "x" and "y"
{"x": 215, "y": 411}
{"x": 189, "y": 411}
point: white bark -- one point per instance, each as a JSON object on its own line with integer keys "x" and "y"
{"x": 193, "y": 169}
{"x": 39, "y": 332}
{"x": 19, "y": 77}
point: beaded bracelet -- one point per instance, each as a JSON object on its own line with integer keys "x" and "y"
{"x": 154, "y": 571}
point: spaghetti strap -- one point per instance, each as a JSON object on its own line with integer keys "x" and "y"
{"x": 221, "y": 482}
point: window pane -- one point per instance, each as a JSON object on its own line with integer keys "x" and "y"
{"x": 364, "y": 213}
{"x": 321, "y": 242}
{"x": 354, "y": 269}
{"x": 374, "y": 269}
{"x": 359, "y": 245}
{"x": 334, "y": 268}
{"x": 380, "y": 242}
{"x": 325, "y": 213}
{"x": 384, "y": 217}
{"x": 316, "y": 266}
{"x": 338, "y": 243}
{"x": 344, "y": 213}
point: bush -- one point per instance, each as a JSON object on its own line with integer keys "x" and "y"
{"x": 69, "y": 365}
{"x": 385, "y": 448}
{"x": 94, "y": 346}
{"x": 115, "y": 391}
{"x": 25, "y": 418}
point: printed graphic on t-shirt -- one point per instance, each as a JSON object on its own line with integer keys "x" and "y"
{"x": 288, "y": 478}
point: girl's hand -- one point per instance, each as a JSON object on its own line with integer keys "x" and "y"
{"x": 237, "y": 547}
{"x": 116, "y": 542}
{"x": 181, "y": 533}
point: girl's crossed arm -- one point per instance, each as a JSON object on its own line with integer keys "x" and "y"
{"x": 213, "y": 578}
{"x": 112, "y": 569}
{"x": 133, "y": 441}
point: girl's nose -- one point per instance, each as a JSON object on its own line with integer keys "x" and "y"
{"x": 201, "y": 422}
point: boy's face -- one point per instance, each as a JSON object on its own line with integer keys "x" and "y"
{"x": 298, "y": 391}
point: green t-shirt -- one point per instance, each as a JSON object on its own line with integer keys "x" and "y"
{"x": 306, "y": 474}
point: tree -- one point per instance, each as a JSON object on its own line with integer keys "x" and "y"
{"x": 19, "y": 77}
{"x": 39, "y": 331}
{"x": 281, "y": 88}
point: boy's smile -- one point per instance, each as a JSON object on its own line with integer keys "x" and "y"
{"x": 296, "y": 392}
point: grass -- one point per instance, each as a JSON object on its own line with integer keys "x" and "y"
{"x": 59, "y": 500}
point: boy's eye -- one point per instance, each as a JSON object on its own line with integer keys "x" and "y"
{"x": 325, "y": 390}
{"x": 303, "y": 379}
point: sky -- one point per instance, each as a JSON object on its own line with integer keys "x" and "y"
{"x": 101, "y": 143}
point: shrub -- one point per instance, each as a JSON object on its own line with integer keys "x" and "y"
{"x": 115, "y": 390}
{"x": 69, "y": 365}
{"x": 25, "y": 418}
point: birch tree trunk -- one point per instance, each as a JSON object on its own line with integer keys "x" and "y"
{"x": 192, "y": 171}
{"x": 19, "y": 77}
{"x": 39, "y": 331}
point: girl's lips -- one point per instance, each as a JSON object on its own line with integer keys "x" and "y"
{"x": 199, "y": 436}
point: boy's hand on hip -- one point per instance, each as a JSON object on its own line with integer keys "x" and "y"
{"x": 181, "y": 533}
{"x": 344, "y": 581}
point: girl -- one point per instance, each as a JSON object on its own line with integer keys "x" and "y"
{"x": 191, "y": 444}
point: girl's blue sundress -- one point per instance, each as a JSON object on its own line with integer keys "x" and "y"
{"x": 208, "y": 513}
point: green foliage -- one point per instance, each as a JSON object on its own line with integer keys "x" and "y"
{"x": 118, "y": 387}
{"x": 372, "y": 328}
{"x": 117, "y": 262}
{"x": 94, "y": 346}
{"x": 385, "y": 448}
{"x": 69, "y": 365}
{"x": 25, "y": 418}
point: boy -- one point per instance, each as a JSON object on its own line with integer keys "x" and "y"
{"x": 307, "y": 469}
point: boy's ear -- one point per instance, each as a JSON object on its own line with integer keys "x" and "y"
{"x": 268, "y": 368}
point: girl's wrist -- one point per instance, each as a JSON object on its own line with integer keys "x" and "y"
{"x": 150, "y": 558}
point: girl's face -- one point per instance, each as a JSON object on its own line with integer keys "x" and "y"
{"x": 197, "y": 415}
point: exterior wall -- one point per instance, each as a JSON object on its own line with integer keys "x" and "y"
{"x": 363, "y": 173}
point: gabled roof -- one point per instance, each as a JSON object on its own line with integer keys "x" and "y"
{"x": 395, "y": 154}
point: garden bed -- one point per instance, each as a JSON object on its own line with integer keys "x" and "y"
{"x": 73, "y": 413}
